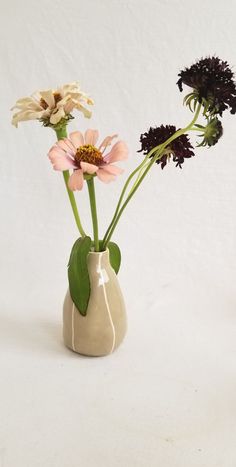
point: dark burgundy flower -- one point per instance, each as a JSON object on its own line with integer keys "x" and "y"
{"x": 179, "y": 149}
{"x": 212, "y": 82}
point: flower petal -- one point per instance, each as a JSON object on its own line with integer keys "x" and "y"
{"x": 104, "y": 176}
{"x": 23, "y": 116}
{"x": 77, "y": 139}
{"x": 27, "y": 103}
{"x": 106, "y": 142}
{"x": 48, "y": 97}
{"x": 57, "y": 116}
{"x": 66, "y": 145}
{"x": 88, "y": 168}
{"x": 56, "y": 151}
{"x": 113, "y": 169}
{"x": 69, "y": 106}
{"x": 91, "y": 137}
{"x": 87, "y": 113}
{"x": 61, "y": 163}
{"x": 76, "y": 180}
{"x": 119, "y": 152}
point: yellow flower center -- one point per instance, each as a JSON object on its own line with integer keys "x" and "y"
{"x": 88, "y": 153}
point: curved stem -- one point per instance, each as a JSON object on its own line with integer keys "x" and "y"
{"x": 92, "y": 199}
{"x": 123, "y": 193}
{"x": 158, "y": 153}
{"x": 113, "y": 226}
{"x": 62, "y": 133}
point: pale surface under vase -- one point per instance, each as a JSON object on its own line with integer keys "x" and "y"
{"x": 103, "y": 328}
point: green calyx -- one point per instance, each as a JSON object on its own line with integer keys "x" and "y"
{"x": 191, "y": 100}
{"x": 58, "y": 126}
{"x": 208, "y": 104}
{"x": 210, "y": 133}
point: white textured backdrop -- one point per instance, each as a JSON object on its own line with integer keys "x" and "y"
{"x": 166, "y": 398}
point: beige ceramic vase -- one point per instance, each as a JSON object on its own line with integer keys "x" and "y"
{"x": 103, "y": 328}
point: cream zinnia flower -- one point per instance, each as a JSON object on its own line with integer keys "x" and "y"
{"x": 52, "y": 105}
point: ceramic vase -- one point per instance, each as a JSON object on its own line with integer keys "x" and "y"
{"x": 104, "y": 326}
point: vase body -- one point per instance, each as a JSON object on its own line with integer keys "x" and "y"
{"x": 103, "y": 328}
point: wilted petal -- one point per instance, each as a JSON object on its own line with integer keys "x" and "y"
{"x": 76, "y": 180}
{"x": 88, "y": 168}
{"x": 27, "y": 103}
{"x": 69, "y": 106}
{"x": 106, "y": 142}
{"x": 23, "y": 116}
{"x": 89, "y": 100}
{"x": 62, "y": 102}
{"x": 87, "y": 113}
{"x": 57, "y": 116}
{"x": 91, "y": 137}
{"x": 48, "y": 97}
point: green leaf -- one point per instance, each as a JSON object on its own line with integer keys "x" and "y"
{"x": 115, "y": 256}
{"x": 78, "y": 275}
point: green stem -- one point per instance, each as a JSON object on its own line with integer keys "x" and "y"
{"x": 158, "y": 153}
{"x": 92, "y": 198}
{"x": 62, "y": 133}
{"x": 123, "y": 193}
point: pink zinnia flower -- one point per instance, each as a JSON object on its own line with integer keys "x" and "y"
{"x": 80, "y": 153}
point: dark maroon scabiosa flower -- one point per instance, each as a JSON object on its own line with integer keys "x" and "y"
{"x": 211, "y": 133}
{"x": 212, "y": 82}
{"x": 179, "y": 149}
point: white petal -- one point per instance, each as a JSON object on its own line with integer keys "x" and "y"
{"x": 86, "y": 112}
{"x": 48, "y": 97}
{"x": 27, "y": 115}
{"x": 57, "y": 116}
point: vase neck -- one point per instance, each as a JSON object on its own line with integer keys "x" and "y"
{"x": 98, "y": 259}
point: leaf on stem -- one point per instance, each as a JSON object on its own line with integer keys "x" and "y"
{"x": 78, "y": 275}
{"x": 115, "y": 256}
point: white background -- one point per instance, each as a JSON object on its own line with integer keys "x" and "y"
{"x": 166, "y": 398}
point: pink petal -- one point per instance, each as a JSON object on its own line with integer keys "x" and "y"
{"x": 56, "y": 151}
{"x": 112, "y": 169}
{"x": 88, "y": 168}
{"x": 76, "y": 180}
{"x": 70, "y": 145}
{"x": 77, "y": 139}
{"x": 119, "y": 152}
{"x": 91, "y": 137}
{"x": 61, "y": 162}
{"x": 106, "y": 142}
{"x": 105, "y": 176}
{"x": 66, "y": 145}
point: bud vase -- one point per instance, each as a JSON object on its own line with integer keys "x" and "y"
{"x": 103, "y": 328}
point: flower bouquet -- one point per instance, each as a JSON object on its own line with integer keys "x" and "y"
{"x": 94, "y": 316}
